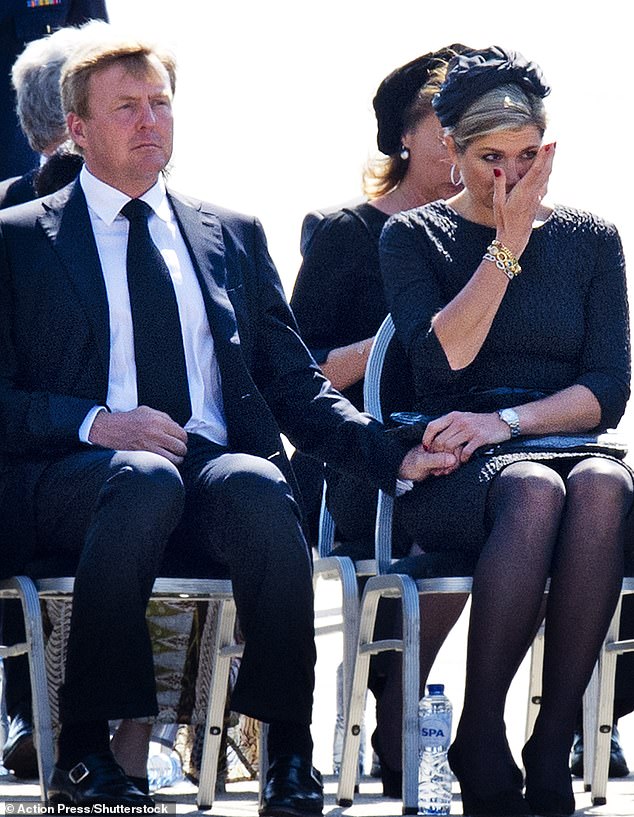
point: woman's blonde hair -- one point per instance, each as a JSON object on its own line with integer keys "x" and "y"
{"x": 506, "y": 107}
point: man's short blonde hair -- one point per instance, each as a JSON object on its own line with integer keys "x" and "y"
{"x": 138, "y": 56}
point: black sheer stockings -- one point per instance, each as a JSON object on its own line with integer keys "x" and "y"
{"x": 540, "y": 525}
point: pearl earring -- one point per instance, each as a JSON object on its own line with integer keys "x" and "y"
{"x": 404, "y": 154}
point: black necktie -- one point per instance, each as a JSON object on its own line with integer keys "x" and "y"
{"x": 158, "y": 340}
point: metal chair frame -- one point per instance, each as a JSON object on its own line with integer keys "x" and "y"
{"x": 385, "y": 585}
{"x": 341, "y": 569}
{"x": 23, "y": 589}
{"x": 599, "y": 705}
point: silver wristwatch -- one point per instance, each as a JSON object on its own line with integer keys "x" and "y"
{"x": 512, "y": 420}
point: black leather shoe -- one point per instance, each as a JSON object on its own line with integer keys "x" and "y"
{"x": 618, "y": 765}
{"x": 294, "y": 788}
{"x": 95, "y": 779}
{"x": 18, "y": 753}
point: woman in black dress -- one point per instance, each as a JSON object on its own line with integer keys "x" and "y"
{"x": 514, "y": 317}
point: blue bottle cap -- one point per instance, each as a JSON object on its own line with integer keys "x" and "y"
{"x": 435, "y": 689}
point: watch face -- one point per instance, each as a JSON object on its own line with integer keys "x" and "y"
{"x": 511, "y": 418}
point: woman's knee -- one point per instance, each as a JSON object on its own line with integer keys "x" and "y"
{"x": 601, "y": 484}
{"x": 528, "y": 487}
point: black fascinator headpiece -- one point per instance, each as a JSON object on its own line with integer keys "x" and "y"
{"x": 472, "y": 74}
{"x": 397, "y": 92}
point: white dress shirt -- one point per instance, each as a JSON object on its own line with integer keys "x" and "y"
{"x": 110, "y": 229}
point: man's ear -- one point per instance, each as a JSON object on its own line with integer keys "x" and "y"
{"x": 76, "y": 130}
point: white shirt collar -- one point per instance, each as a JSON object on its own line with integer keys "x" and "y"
{"x": 107, "y": 201}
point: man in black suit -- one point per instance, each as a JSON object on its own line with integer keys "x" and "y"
{"x": 148, "y": 361}
{"x": 21, "y": 22}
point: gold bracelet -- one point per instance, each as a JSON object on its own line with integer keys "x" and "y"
{"x": 503, "y": 259}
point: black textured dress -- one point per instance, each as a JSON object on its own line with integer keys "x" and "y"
{"x": 563, "y": 321}
{"x": 338, "y": 295}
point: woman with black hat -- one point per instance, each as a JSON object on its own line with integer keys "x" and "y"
{"x": 339, "y": 304}
{"x": 338, "y": 295}
{"x": 514, "y": 317}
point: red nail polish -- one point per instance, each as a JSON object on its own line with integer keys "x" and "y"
{"x": 497, "y": 172}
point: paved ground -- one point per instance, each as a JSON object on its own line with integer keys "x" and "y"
{"x": 241, "y": 798}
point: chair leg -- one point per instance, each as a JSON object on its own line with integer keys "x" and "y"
{"x": 411, "y": 688}
{"x": 42, "y": 729}
{"x": 392, "y": 586}
{"x": 590, "y": 725}
{"x": 356, "y": 696}
{"x": 224, "y": 650}
{"x": 535, "y": 682}
{"x": 602, "y": 732}
{"x": 343, "y": 570}
{"x": 263, "y": 759}
{"x": 350, "y": 616}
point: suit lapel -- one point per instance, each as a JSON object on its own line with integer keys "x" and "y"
{"x": 251, "y": 425}
{"x": 67, "y": 224}
{"x": 203, "y": 235}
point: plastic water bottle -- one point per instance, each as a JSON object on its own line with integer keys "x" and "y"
{"x": 164, "y": 768}
{"x": 434, "y": 774}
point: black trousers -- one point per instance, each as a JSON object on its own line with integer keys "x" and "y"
{"x": 130, "y": 516}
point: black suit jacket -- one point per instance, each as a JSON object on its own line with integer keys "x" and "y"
{"x": 19, "y": 24}
{"x": 54, "y": 352}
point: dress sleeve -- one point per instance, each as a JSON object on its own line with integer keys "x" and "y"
{"x": 414, "y": 295}
{"x": 605, "y": 364}
{"x": 337, "y": 298}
